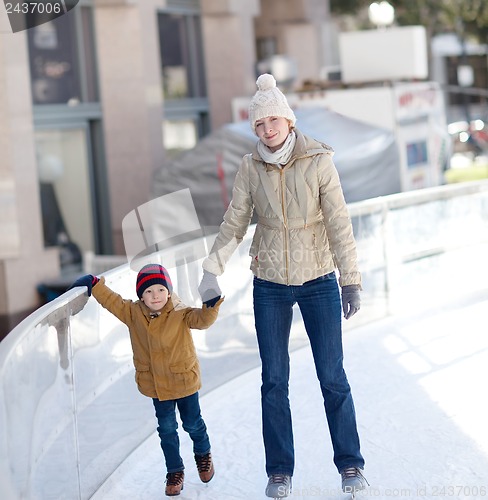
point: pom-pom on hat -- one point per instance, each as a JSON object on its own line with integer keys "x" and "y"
{"x": 152, "y": 274}
{"x": 269, "y": 101}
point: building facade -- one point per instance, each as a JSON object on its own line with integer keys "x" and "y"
{"x": 92, "y": 103}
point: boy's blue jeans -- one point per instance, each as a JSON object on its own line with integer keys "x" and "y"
{"x": 320, "y": 305}
{"x": 192, "y": 421}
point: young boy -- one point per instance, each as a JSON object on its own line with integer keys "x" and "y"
{"x": 165, "y": 359}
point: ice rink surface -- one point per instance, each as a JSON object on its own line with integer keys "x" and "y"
{"x": 419, "y": 386}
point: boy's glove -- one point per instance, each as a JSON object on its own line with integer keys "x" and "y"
{"x": 211, "y": 302}
{"x": 88, "y": 280}
{"x": 351, "y": 301}
{"x": 209, "y": 289}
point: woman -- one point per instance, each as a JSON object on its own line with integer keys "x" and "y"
{"x": 303, "y": 234}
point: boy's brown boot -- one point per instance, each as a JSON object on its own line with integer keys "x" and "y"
{"x": 205, "y": 467}
{"x": 174, "y": 483}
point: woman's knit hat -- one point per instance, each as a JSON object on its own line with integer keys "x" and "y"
{"x": 152, "y": 274}
{"x": 269, "y": 101}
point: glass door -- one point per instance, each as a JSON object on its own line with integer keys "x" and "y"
{"x": 66, "y": 192}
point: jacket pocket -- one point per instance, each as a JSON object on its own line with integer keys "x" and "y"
{"x": 305, "y": 248}
{"x": 183, "y": 366}
{"x": 145, "y": 380}
{"x": 320, "y": 244}
{"x": 319, "y": 253}
{"x": 185, "y": 374}
{"x": 255, "y": 251}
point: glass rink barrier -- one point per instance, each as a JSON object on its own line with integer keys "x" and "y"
{"x": 70, "y": 412}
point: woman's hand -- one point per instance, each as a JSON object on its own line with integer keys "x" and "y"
{"x": 209, "y": 288}
{"x": 351, "y": 301}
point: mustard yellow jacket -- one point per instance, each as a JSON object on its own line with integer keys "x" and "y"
{"x": 303, "y": 229}
{"x": 165, "y": 358}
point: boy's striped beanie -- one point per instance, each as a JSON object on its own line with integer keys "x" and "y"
{"x": 152, "y": 274}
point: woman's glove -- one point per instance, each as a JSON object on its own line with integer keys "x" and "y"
{"x": 88, "y": 280}
{"x": 351, "y": 301}
{"x": 209, "y": 289}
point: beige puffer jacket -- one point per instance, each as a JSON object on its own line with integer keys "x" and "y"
{"x": 303, "y": 229}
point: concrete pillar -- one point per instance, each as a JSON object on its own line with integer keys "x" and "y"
{"x": 302, "y": 30}
{"x": 24, "y": 262}
{"x": 301, "y": 42}
{"x": 230, "y": 54}
{"x": 131, "y": 97}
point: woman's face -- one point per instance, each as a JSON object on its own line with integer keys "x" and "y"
{"x": 273, "y": 131}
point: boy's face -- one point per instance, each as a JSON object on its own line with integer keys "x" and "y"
{"x": 155, "y": 297}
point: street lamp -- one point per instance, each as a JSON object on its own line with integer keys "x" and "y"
{"x": 381, "y": 14}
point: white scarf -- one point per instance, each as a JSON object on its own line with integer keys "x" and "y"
{"x": 282, "y": 155}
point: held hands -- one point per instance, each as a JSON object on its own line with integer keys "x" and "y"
{"x": 88, "y": 280}
{"x": 351, "y": 301}
{"x": 209, "y": 289}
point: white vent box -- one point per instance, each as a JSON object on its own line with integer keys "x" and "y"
{"x": 396, "y": 53}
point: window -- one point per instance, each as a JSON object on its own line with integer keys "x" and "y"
{"x": 416, "y": 154}
{"x": 182, "y": 65}
{"x": 183, "y": 78}
{"x": 68, "y": 132}
{"x": 266, "y": 47}
{"x": 480, "y": 73}
{"x": 179, "y": 135}
{"x": 65, "y": 187}
{"x": 62, "y": 64}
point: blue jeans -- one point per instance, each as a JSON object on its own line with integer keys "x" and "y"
{"x": 320, "y": 305}
{"x": 189, "y": 408}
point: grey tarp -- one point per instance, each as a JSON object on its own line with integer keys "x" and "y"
{"x": 366, "y": 158}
